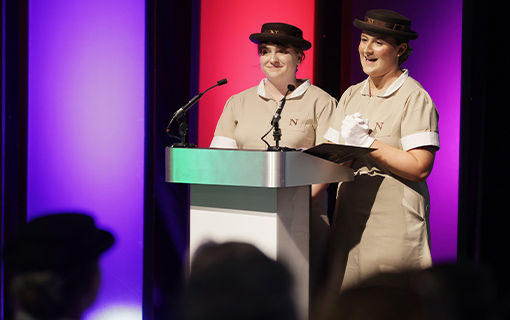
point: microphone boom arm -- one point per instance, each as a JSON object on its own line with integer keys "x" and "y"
{"x": 182, "y": 111}
{"x": 179, "y": 113}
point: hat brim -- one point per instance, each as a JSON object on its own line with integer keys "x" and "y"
{"x": 405, "y": 35}
{"x": 26, "y": 257}
{"x": 283, "y": 39}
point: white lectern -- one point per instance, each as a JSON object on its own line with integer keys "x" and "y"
{"x": 259, "y": 197}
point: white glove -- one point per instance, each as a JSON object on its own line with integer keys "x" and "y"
{"x": 355, "y": 131}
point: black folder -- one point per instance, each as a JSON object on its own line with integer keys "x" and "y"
{"x": 337, "y": 153}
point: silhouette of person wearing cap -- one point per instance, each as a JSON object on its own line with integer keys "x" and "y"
{"x": 54, "y": 261}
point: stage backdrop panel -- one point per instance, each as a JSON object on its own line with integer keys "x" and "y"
{"x": 436, "y": 64}
{"x": 86, "y": 131}
{"x": 227, "y": 52}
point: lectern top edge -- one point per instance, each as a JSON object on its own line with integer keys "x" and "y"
{"x": 250, "y": 168}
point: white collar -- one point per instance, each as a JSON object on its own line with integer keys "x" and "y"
{"x": 393, "y": 87}
{"x": 261, "y": 90}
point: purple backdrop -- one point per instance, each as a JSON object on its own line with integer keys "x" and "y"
{"x": 436, "y": 64}
{"x": 86, "y": 127}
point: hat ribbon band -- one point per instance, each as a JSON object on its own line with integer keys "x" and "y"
{"x": 386, "y": 25}
{"x": 280, "y": 32}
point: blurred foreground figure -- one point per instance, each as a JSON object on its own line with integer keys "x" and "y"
{"x": 443, "y": 292}
{"x": 54, "y": 261}
{"x": 237, "y": 281}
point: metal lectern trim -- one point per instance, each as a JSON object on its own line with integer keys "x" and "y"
{"x": 269, "y": 169}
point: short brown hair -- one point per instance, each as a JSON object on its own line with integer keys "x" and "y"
{"x": 299, "y": 51}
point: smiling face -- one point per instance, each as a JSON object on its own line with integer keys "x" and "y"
{"x": 379, "y": 54}
{"x": 279, "y": 62}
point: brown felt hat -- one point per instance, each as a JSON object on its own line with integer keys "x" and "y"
{"x": 387, "y": 22}
{"x": 283, "y": 33}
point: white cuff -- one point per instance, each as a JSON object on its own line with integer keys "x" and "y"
{"x": 223, "y": 143}
{"x": 368, "y": 142}
{"x": 332, "y": 135}
{"x": 421, "y": 139}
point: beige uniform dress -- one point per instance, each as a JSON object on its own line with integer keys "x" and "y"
{"x": 381, "y": 221}
{"x": 247, "y": 117}
{"x": 304, "y": 121}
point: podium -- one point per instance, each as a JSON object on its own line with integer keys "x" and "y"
{"x": 259, "y": 197}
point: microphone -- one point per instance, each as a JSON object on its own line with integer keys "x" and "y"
{"x": 278, "y": 113}
{"x": 221, "y": 82}
{"x": 179, "y": 113}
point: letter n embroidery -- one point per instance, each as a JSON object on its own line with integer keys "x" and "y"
{"x": 293, "y": 122}
{"x": 378, "y": 126}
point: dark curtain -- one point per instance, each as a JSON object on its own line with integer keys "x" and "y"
{"x": 14, "y": 128}
{"x": 483, "y": 210}
{"x": 171, "y": 80}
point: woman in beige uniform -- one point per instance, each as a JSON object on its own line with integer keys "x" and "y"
{"x": 304, "y": 120}
{"x": 381, "y": 218}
